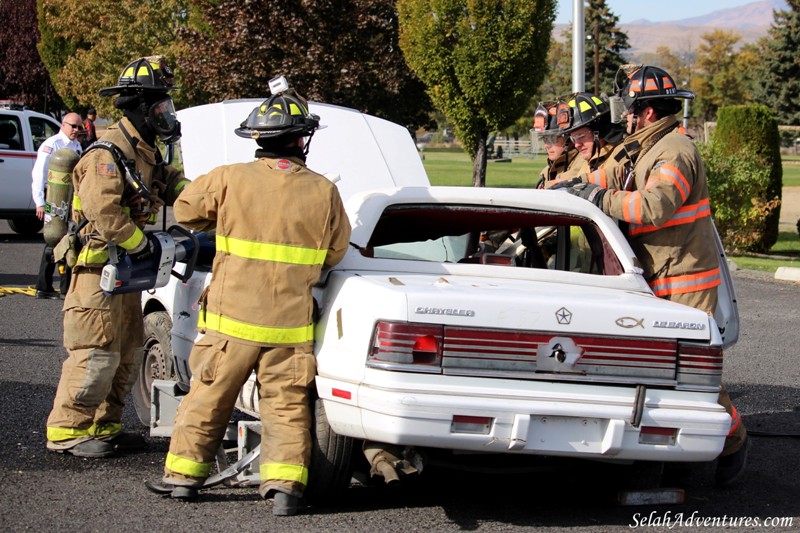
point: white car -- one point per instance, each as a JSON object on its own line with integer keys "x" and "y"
{"x": 471, "y": 321}
{"x": 21, "y": 133}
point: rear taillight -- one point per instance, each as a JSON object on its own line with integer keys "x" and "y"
{"x": 404, "y": 346}
{"x": 699, "y": 365}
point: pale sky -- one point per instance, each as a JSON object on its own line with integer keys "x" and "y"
{"x": 654, "y": 11}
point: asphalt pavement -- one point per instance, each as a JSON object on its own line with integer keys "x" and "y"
{"x": 43, "y": 491}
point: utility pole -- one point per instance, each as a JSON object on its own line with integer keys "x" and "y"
{"x": 578, "y": 52}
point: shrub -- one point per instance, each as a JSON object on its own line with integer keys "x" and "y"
{"x": 735, "y": 185}
{"x": 744, "y": 146}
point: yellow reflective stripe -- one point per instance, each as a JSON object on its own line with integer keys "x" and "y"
{"x": 263, "y": 251}
{"x": 252, "y": 332}
{"x": 92, "y": 257}
{"x": 134, "y": 240}
{"x": 180, "y": 186}
{"x": 106, "y": 428}
{"x": 76, "y": 203}
{"x": 187, "y": 467}
{"x": 284, "y": 472}
{"x": 59, "y": 434}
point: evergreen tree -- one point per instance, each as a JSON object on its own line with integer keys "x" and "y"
{"x": 601, "y": 27}
{"x": 605, "y": 43}
{"x": 778, "y": 80}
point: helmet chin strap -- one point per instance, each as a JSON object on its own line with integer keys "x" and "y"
{"x": 595, "y": 144}
{"x": 634, "y": 123}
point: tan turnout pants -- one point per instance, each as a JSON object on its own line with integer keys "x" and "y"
{"x": 103, "y": 336}
{"x": 220, "y": 366}
{"x": 707, "y": 301}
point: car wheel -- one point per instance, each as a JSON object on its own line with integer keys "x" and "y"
{"x": 331, "y": 459}
{"x": 157, "y": 362}
{"x": 26, "y": 225}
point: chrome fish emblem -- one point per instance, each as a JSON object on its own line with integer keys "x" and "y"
{"x": 629, "y": 322}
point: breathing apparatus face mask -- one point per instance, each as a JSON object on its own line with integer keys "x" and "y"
{"x": 164, "y": 120}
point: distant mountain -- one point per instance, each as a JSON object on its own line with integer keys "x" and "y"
{"x": 751, "y": 21}
{"x": 752, "y": 15}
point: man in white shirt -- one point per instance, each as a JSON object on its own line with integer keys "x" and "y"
{"x": 67, "y": 137}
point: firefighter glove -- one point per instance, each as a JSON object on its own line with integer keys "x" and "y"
{"x": 145, "y": 252}
{"x": 589, "y": 191}
{"x": 565, "y": 184}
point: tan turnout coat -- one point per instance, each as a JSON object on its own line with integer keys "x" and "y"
{"x": 667, "y": 212}
{"x": 263, "y": 272}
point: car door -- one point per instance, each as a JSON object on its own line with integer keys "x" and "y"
{"x": 16, "y": 162}
{"x": 18, "y": 155}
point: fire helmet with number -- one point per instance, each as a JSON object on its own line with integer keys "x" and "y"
{"x": 637, "y": 84}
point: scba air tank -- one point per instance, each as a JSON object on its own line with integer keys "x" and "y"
{"x": 59, "y": 194}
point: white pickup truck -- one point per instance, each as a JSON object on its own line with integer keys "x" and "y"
{"x": 21, "y": 133}
{"x": 464, "y": 322}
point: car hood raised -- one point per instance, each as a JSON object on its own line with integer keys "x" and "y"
{"x": 357, "y": 151}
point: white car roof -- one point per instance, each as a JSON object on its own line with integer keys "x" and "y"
{"x": 366, "y": 152}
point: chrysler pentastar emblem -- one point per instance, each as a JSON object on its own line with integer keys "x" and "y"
{"x": 563, "y": 316}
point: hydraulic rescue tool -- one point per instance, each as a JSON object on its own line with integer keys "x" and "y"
{"x": 151, "y": 270}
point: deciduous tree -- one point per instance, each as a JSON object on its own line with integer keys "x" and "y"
{"x": 86, "y": 43}
{"x": 481, "y": 60}
{"x": 232, "y": 49}
{"x": 23, "y": 76}
{"x": 718, "y": 81}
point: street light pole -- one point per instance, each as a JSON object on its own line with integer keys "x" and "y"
{"x": 578, "y": 35}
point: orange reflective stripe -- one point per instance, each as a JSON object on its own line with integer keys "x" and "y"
{"x": 599, "y": 177}
{"x": 632, "y": 207}
{"x": 687, "y": 214}
{"x": 675, "y": 177}
{"x": 736, "y": 420}
{"x": 686, "y": 283}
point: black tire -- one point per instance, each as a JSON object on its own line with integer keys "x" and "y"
{"x": 29, "y": 225}
{"x": 157, "y": 362}
{"x": 331, "y": 460}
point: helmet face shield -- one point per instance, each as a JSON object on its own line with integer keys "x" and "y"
{"x": 618, "y": 109}
{"x": 164, "y": 120}
{"x": 545, "y": 134}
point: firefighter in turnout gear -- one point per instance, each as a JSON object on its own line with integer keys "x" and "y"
{"x": 561, "y": 154}
{"x": 659, "y": 190}
{"x": 257, "y": 311}
{"x": 104, "y": 334}
{"x": 590, "y": 130}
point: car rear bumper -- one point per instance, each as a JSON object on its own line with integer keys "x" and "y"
{"x": 526, "y": 417}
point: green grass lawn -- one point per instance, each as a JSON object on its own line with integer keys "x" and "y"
{"x": 791, "y": 173}
{"x": 453, "y": 167}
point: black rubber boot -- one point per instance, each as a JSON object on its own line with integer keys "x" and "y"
{"x": 285, "y": 504}
{"x": 178, "y": 492}
{"x": 128, "y": 442}
{"x": 93, "y": 448}
{"x": 731, "y": 467}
